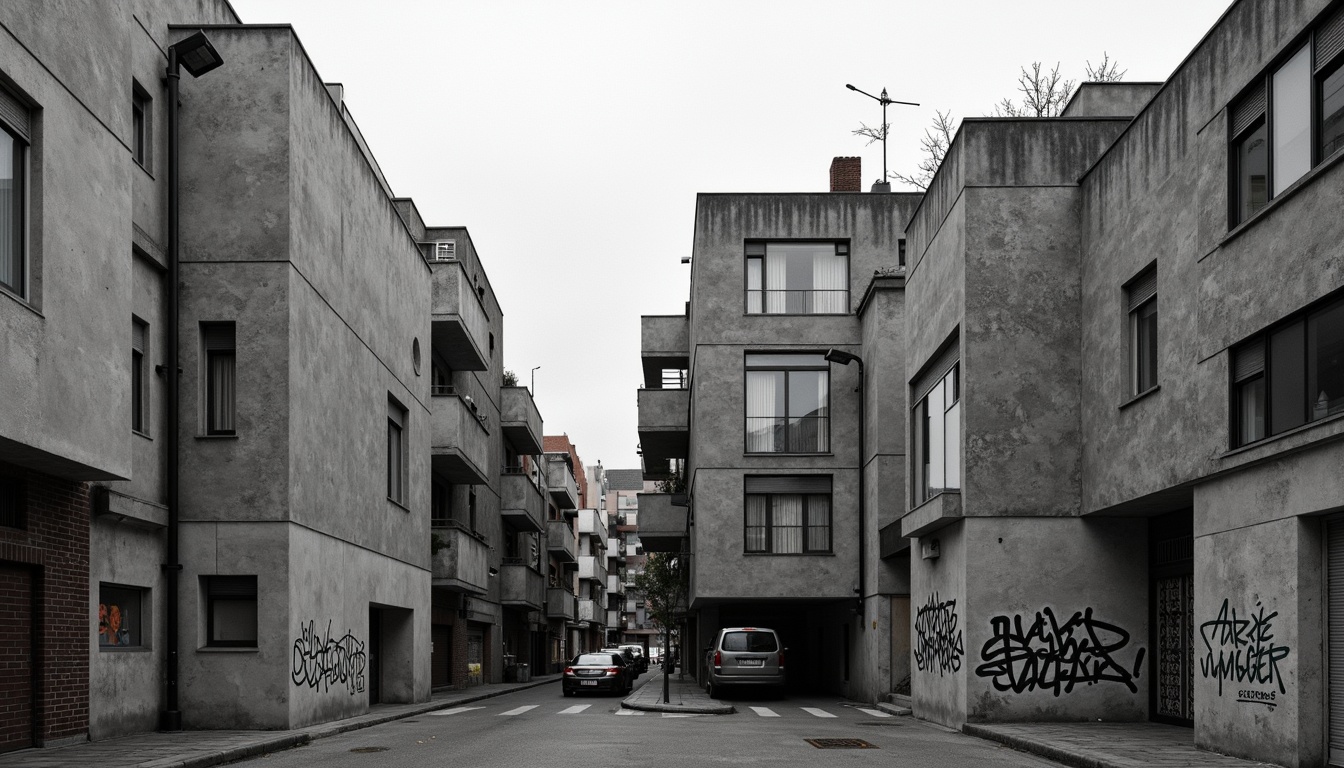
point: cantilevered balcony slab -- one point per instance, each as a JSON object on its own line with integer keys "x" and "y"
{"x": 521, "y": 503}
{"x": 593, "y": 568}
{"x": 460, "y": 330}
{"x": 662, "y": 526}
{"x": 591, "y": 612}
{"x": 560, "y": 541}
{"x": 663, "y": 428}
{"x": 459, "y": 443}
{"x": 521, "y": 586}
{"x": 665, "y": 344}
{"x": 561, "y": 604}
{"x": 560, "y": 481}
{"x": 520, "y": 420}
{"x": 938, "y": 512}
{"x": 461, "y": 562}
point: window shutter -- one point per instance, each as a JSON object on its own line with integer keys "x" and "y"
{"x": 1334, "y": 568}
{"x": 232, "y": 586}
{"x": 138, "y": 336}
{"x": 15, "y": 114}
{"x": 755, "y": 249}
{"x": 217, "y": 336}
{"x": 1330, "y": 39}
{"x": 936, "y": 370}
{"x": 1249, "y": 361}
{"x": 1249, "y": 109}
{"x": 1142, "y": 289}
{"x": 787, "y": 483}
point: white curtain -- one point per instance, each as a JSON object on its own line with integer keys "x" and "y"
{"x": 786, "y": 524}
{"x": 761, "y": 411}
{"x": 754, "y": 267}
{"x": 823, "y": 412}
{"x": 819, "y": 523}
{"x": 755, "y": 524}
{"x": 776, "y": 281}
{"x": 222, "y": 395}
{"x": 829, "y": 286}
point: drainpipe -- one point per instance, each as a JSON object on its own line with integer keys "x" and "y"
{"x": 845, "y": 358}
{"x": 171, "y": 717}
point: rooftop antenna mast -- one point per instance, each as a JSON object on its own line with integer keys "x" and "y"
{"x": 884, "y": 101}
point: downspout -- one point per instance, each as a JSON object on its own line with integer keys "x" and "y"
{"x": 171, "y": 717}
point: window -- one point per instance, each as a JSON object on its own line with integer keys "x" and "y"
{"x": 11, "y": 502}
{"x": 14, "y": 140}
{"x": 787, "y": 515}
{"x": 138, "y": 376}
{"x": 220, "y": 356}
{"x": 1271, "y": 126}
{"x": 119, "y": 616}
{"x": 1142, "y": 300}
{"x": 396, "y": 451}
{"x": 1289, "y": 376}
{"x": 440, "y": 504}
{"x": 140, "y": 125}
{"x": 788, "y": 404}
{"x": 230, "y": 611}
{"x": 937, "y": 427}
{"x": 797, "y": 278}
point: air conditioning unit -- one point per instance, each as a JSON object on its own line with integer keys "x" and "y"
{"x": 445, "y": 250}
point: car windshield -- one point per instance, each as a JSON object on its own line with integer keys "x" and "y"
{"x": 594, "y": 660}
{"x": 758, "y": 642}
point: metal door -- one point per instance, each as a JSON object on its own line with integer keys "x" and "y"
{"x": 1172, "y": 597}
{"x": 475, "y": 658}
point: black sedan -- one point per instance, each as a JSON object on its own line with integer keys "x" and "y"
{"x": 594, "y": 672}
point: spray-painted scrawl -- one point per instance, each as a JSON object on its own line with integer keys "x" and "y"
{"x": 321, "y": 662}
{"x": 1242, "y": 650}
{"x": 1055, "y": 656}
{"x": 937, "y": 639}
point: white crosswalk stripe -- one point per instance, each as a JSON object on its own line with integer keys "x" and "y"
{"x": 631, "y": 712}
{"x": 873, "y": 712}
{"x": 816, "y": 712}
{"x": 519, "y": 710}
{"x": 574, "y": 710}
{"x": 765, "y": 711}
{"x": 453, "y": 711}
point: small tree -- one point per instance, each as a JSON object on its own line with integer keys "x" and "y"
{"x": 510, "y": 378}
{"x": 663, "y": 585}
{"x": 937, "y": 138}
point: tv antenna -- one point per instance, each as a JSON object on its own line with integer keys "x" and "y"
{"x": 884, "y": 101}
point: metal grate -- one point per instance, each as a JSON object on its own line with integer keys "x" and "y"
{"x": 840, "y": 744}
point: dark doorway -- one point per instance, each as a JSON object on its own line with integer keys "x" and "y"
{"x": 441, "y": 657}
{"x": 375, "y": 656}
{"x": 17, "y": 662}
{"x": 1171, "y": 568}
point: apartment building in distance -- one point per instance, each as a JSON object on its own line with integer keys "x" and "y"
{"x": 632, "y": 621}
{"x": 585, "y": 575}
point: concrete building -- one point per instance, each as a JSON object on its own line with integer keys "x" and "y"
{"x": 585, "y": 569}
{"x": 630, "y": 621}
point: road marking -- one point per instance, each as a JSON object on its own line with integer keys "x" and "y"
{"x": 519, "y": 710}
{"x": 678, "y": 714}
{"x": 574, "y": 710}
{"x": 874, "y": 712}
{"x": 631, "y": 712}
{"x": 765, "y": 712}
{"x": 453, "y": 711}
{"x": 816, "y": 712}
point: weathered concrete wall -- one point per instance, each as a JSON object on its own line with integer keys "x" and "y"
{"x": 1115, "y": 99}
{"x": 938, "y": 680}
{"x": 125, "y": 685}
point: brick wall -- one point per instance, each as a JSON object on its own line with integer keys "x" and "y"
{"x": 52, "y": 550}
{"x": 846, "y": 174}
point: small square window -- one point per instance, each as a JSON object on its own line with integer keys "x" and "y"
{"x": 230, "y": 611}
{"x": 119, "y": 616}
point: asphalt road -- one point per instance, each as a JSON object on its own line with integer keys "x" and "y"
{"x": 540, "y": 727}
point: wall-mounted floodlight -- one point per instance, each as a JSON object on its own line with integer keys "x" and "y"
{"x": 685, "y": 259}
{"x": 196, "y": 54}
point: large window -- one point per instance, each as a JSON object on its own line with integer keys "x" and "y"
{"x": 119, "y": 616}
{"x": 13, "y": 194}
{"x": 1291, "y": 375}
{"x": 788, "y": 404}
{"x": 230, "y": 611}
{"x": 797, "y": 278}
{"x": 138, "y": 375}
{"x": 1271, "y": 126}
{"x": 936, "y": 423}
{"x": 787, "y": 515}
{"x": 396, "y": 451}
{"x": 1141, "y": 294}
{"x": 220, "y": 357}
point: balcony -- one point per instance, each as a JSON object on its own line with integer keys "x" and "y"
{"x": 560, "y": 541}
{"x": 663, "y": 432}
{"x": 662, "y": 526}
{"x": 461, "y": 563}
{"x": 665, "y": 344}
{"x": 591, "y": 612}
{"x": 613, "y": 618}
{"x": 614, "y": 584}
{"x": 561, "y": 604}
{"x": 593, "y": 523}
{"x": 593, "y": 568}
{"x": 519, "y": 420}
{"x": 459, "y": 442}
{"x": 460, "y": 330}
{"x": 521, "y": 586}
{"x": 560, "y": 481}
{"x": 520, "y": 502}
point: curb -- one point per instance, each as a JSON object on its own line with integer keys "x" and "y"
{"x": 1058, "y": 754}
{"x": 893, "y": 709}
{"x": 694, "y": 709}
{"x": 234, "y": 754}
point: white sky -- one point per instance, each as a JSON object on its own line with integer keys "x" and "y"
{"x": 572, "y": 137}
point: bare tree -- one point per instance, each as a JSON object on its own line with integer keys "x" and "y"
{"x": 937, "y": 138}
{"x": 1106, "y": 71}
{"x": 1044, "y": 94}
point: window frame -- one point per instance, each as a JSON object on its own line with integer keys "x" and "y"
{"x": 136, "y": 641}
{"x": 804, "y": 527}
{"x": 14, "y": 498}
{"x": 921, "y": 466}
{"x": 19, "y": 206}
{"x": 1141, "y": 296}
{"x": 397, "y": 428}
{"x": 822, "y": 366}
{"x": 139, "y": 376}
{"x": 142, "y": 132}
{"x": 842, "y": 247}
{"x": 216, "y": 588}
{"x": 212, "y": 348}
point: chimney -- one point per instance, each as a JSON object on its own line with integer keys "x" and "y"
{"x": 846, "y": 175}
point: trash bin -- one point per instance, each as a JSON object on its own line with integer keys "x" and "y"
{"x": 524, "y": 672}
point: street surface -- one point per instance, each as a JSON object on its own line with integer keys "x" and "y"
{"x": 540, "y": 727}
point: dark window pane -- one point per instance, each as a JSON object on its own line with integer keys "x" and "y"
{"x": 1287, "y": 379}
{"x": 1250, "y": 410}
{"x": 1252, "y": 173}
{"x": 137, "y": 391}
{"x": 11, "y": 502}
{"x": 1145, "y": 347}
{"x": 1325, "y": 361}
{"x": 920, "y": 441}
{"x": 119, "y": 617}
{"x": 11, "y": 212}
{"x": 1331, "y": 132}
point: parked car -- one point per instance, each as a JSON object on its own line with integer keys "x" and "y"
{"x": 603, "y": 672}
{"x": 745, "y": 656}
{"x": 630, "y": 658}
{"x": 641, "y": 661}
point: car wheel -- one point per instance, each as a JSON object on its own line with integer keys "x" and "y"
{"x": 713, "y": 690}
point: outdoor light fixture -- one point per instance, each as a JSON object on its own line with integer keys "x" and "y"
{"x": 884, "y": 101}
{"x": 842, "y": 357}
{"x": 196, "y": 54}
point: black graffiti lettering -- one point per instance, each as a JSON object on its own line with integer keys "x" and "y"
{"x": 1242, "y": 650}
{"x": 1055, "y": 657}
{"x": 937, "y": 639}
{"x": 321, "y": 662}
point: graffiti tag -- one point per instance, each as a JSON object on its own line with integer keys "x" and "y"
{"x": 321, "y": 662}
{"x": 1242, "y": 650}
{"x": 937, "y": 639}
{"x": 1055, "y": 656}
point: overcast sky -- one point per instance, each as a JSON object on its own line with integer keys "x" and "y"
{"x": 571, "y": 138}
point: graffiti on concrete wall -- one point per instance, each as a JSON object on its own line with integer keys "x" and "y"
{"x": 937, "y": 638}
{"x": 1055, "y": 656}
{"x": 321, "y": 661}
{"x": 1241, "y": 649}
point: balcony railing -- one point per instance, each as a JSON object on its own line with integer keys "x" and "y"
{"x": 560, "y": 541}
{"x": 521, "y": 503}
{"x": 561, "y": 604}
{"x": 798, "y": 302}
{"x": 460, "y": 327}
{"x": 592, "y": 568}
{"x": 520, "y": 585}
{"x": 459, "y": 440}
{"x": 461, "y": 562}
{"x": 662, "y": 525}
{"x": 788, "y": 434}
{"x": 520, "y": 420}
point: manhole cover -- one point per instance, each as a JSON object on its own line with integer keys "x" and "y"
{"x": 365, "y": 750}
{"x": 840, "y": 744}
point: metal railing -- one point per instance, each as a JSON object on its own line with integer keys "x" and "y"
{"x": 442, "y": 390}
{"x": 788, "y": 434}
{"x": 797, "y": 302}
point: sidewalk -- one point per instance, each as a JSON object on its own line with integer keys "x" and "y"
{"x": 1108, "y": 745}
{"x": 199, "y": 749}
{"x": 684, "y": 696}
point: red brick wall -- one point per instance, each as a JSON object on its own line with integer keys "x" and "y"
{"x": 16, "y": 643}
{"x": 846, "y": 174}
{"x": 53, "y": 549}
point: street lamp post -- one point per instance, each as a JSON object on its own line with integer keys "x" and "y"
{"x": 533, "y": 389}
{"x": 884, "y": 101}
{"x": 845, "y": 358}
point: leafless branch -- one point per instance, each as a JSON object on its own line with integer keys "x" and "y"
{"x": 1106, "y": 71}
{"x": 873, "y": 134}
{"x": 937, "y": 138}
